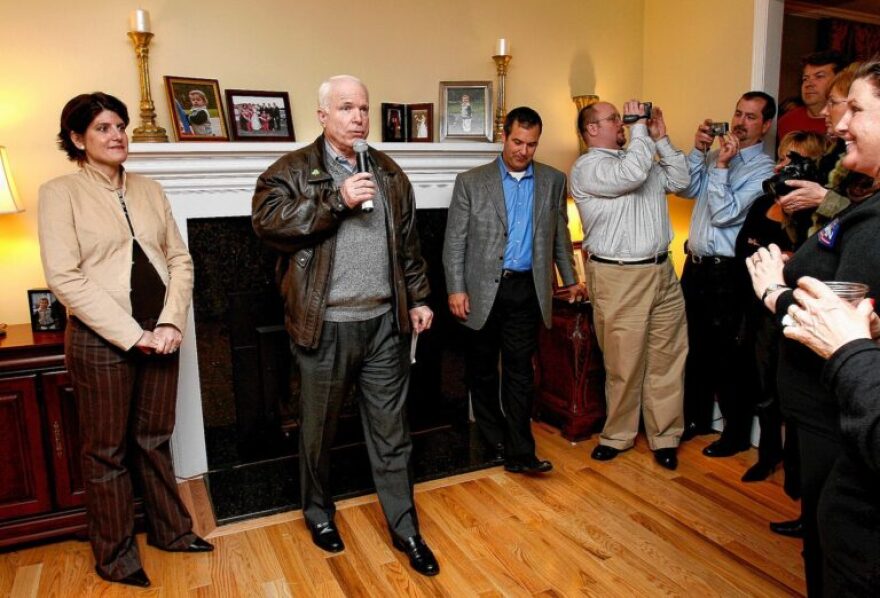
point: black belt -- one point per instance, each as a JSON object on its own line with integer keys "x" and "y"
{"x": 709, "y": 259}
{"x": 657, "y": 259}
{"x": 515, "y": 273}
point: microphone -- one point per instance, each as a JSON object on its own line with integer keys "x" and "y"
{"x": 360, "y": 152}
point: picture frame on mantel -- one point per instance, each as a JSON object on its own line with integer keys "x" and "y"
{"x": 466, "y": 111}
{"x": 420, "y": 127}
{"x": 196, "y": 109}
{"x": 259, "y": 115}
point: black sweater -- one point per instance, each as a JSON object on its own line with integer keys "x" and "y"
{"x": 849, "y": 510}
{"x": 847, "y": 249}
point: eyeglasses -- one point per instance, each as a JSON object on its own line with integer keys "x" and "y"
{"x": 614, "y": 118}
{"x": 831, "y": 103}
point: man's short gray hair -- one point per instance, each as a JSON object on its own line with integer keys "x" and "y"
{"x": 327, "y": 86}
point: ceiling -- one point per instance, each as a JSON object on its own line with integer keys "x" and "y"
{"x": 866, "y": 11}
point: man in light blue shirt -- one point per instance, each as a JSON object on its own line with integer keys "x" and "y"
{"x": 724, "y": 183}
{"x": 507, "y": 227}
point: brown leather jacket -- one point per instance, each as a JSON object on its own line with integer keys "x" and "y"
{"x": 297, "y": 210}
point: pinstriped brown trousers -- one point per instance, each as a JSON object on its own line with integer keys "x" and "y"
{"x": 126, "y": 403}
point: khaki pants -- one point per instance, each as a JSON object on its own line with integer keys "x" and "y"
{"x": 640, "y": 323}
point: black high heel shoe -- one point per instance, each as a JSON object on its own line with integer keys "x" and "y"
{"x": 759, "y": 471}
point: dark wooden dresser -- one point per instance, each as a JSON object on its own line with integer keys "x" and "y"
{"x": 569, "y": 372}
{"x": 41, "y": 493}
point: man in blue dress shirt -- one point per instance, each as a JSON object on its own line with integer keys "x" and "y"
{"x": 724, "y": 183}
{"x": 506, "y": 227}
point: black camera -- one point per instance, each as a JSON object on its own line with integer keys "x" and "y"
{"x": 799, "y": 169}
{"x": 631, "y": 118}
{"x": 718, "y": 129}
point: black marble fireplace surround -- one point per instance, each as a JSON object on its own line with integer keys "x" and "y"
{"x": 249, "y": 385}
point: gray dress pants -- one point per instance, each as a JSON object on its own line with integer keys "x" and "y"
{"x": 375, "y": 356}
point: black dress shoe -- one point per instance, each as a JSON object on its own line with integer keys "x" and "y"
{"x": 604, "y": 453}
{"x": 725, "y": 448}
{"x": 420, "y": 556}
{"x": 693, "y": 430}
{"x": 326, "y": 537}
{"x": 666, "y": 457}
{"x": 792, "y": 529}
{"x": 197, "y": 545}
{"x": 138, "y": 579}
{"x": 496, "y": 454}
{"x": 759, "y": 471}
{"x": 527, "y": 465}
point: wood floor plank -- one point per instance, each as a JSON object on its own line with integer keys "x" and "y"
{"x": 620, "y": 528}
{"x": 27, "y": 582}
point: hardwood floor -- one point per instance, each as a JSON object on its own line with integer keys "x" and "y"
{"x": 622, "y": 528}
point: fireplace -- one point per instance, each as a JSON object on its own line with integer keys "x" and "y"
{"x": 238, "y": 407}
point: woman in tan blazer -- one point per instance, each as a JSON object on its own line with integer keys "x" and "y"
{"x": 113, "y": 255}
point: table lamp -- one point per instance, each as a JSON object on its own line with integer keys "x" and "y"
{"x": 9, "y": 200}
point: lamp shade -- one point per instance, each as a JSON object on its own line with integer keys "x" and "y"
{"x": 9, "y": 200}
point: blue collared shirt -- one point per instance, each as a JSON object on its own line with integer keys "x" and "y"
{"x": 723, "y": 196}
{"x": 519, "y": 198}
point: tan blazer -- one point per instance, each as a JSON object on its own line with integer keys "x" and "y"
{"x": 86, "y": 248}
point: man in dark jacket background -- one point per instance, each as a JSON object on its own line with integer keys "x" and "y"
{"x": 354, "y": 288}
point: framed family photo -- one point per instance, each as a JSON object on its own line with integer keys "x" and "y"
{"x": 47, "y": 314}
{"x": 196, "y": 109}
{"x": 420, "y": 123}
{"x": 466, "y": 110}
{"x": 393, "y": 122}
{"x": 259, "y": 115}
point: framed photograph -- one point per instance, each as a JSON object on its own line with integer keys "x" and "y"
{"x": 196, "y": 109}
{"x": 466, "y": 110}
{"x": 259, "y": 115}
{"x": 393, "y": 122}
{"x": 47, "y": 314}
{"x": 420, "y": 124}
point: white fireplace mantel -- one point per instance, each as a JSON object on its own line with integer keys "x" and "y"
{"x": 213, "y": 180}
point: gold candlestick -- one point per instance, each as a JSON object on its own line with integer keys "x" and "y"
{"x": 501, "y": 62}
{"x": 149, "y": 131}
{"x": 582, "y": 102}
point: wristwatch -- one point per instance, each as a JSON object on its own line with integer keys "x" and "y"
{"x": 776, "y": 286}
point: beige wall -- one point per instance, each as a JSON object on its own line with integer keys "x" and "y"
{"x": 664, "y": 50}
{"x": 697, "y": 62}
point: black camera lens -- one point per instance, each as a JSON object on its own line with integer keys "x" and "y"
{"x": 798, "y": 169}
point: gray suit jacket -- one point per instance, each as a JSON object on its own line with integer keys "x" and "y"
{"x": 473, "y": 252}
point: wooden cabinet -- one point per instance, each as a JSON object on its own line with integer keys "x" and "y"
{"x": 63, "y": 438}
{"x": 41, "y": 490}
{"x": 24, "y": 483}
{"x": 569, "y": 372}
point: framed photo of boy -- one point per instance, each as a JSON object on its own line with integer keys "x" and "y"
{"x": 47, "y": 314}
{"x": 393, "y": 122}
{"x": 196, "y": 109}
{"x": 466, "y": 110}
{"x": 421, "y": 123}
{"x": 259, "y": 115}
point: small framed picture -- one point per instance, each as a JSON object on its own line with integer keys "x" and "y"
{"x": 196, "y": 109}
{"x": 393, "y": 122}
{"x": 259, "y": 115}
{"x": 421, "y": 122}
{"x": 47, "y": 314}
{"x": 466, "y": 110}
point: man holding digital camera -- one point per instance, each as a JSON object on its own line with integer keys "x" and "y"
{"x": 638, "y": 308}
{"x": 724, "y": 182}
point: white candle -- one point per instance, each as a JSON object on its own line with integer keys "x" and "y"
{"x": 140, "y": 21}
{"x": 502, "y": 48}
